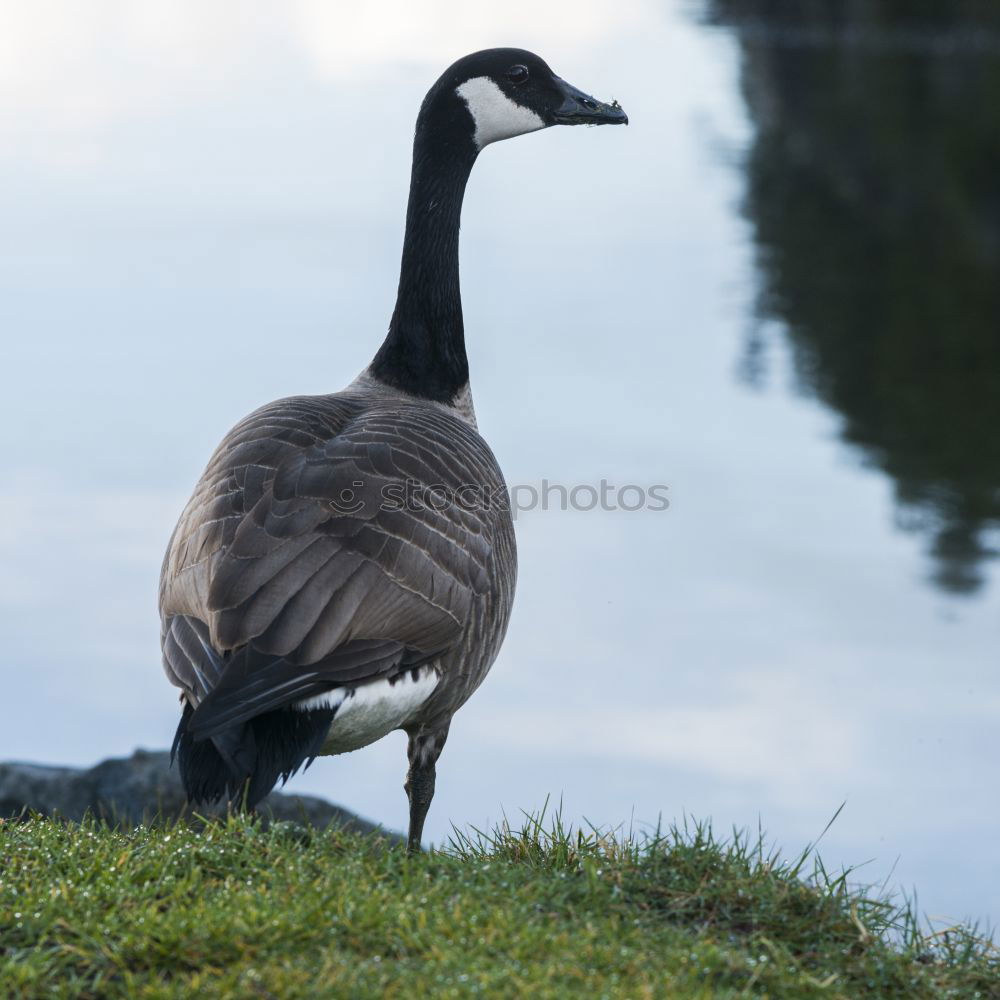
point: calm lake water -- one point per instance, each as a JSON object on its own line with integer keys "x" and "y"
{"x": 775, "y": 293}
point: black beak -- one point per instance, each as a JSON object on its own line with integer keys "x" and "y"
{"x": 579, "y": 108}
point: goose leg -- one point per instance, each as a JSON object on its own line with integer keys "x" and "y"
{"x": 426, "y": 744}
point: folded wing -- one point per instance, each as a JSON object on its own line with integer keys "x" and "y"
{"x": 315, "y": 554}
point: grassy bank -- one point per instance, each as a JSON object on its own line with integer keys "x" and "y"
{"x": 237, "y": 910}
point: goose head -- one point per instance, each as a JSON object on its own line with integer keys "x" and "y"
{"x": 484, "y": 97}
{"x": 499, "y": 93}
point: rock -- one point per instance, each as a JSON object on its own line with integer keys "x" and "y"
{"x": 141, "y": 788}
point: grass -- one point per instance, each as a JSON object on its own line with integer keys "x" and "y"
{"x": 235, "y": 909}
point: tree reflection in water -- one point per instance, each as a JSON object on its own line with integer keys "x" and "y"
{"x": 873, "y": 187}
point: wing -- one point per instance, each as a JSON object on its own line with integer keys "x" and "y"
{"x": 312, "y": 554}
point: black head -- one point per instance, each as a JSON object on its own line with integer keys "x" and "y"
{"x": 499, "y": 93}
{"x": 484, "y": 97}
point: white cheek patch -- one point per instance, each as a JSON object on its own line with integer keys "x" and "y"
{"x": 496, "y": 116}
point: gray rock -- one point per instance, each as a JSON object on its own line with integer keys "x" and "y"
{"x": 143, "y": 788}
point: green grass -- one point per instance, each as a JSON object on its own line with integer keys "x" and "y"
{"x": 234, "y": 909}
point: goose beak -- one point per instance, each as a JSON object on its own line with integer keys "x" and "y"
{"x": 579, "y": 108}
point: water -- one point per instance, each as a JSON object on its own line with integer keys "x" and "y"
{"x": 772, "y": 294}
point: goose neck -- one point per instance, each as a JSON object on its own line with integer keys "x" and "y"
{"x": 424, "y": 352}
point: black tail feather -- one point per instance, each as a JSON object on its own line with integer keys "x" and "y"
{"x": 243, "y": 764}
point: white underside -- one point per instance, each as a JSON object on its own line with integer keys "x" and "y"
{"x": 366, "y": 714}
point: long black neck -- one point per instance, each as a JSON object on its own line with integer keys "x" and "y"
{"x": 424, "y": 352}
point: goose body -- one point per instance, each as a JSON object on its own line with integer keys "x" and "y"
{"x": 346, "y": 564}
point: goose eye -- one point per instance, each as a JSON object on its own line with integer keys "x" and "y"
{"x": 517, "y": 74}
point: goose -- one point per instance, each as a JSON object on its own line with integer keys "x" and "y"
{"x": 345, "y": 566}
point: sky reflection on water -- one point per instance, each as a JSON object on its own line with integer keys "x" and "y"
{"x": 204, "y": 213}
